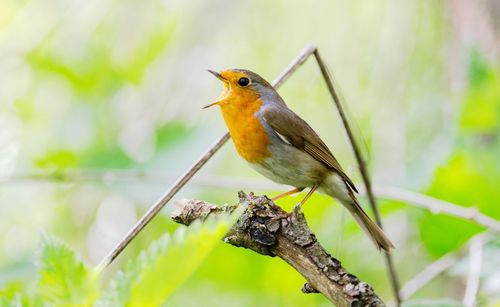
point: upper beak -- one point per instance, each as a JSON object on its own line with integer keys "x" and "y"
{"x": 218, "y": 77}
{"x": 216, "y": 74}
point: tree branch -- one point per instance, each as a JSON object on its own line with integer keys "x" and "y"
{"x": 428, "y": 274}
{"x": 475, "y": 265}
{"x": 439, "y": 266}
{"x": 416, "y": 199}
{"x": 268, "y": 230}
{"x": 439, "y": 206}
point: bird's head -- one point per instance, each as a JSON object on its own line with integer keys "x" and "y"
{"x": 241, "y": 88}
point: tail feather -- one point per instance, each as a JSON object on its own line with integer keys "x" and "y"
{"x": 337, "y": 188}
{"x": 375, "y": 233}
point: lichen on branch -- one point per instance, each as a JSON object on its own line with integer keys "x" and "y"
{"x": 267, "y": 229}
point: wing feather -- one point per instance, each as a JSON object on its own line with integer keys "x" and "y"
{"x": 299, "y": 134}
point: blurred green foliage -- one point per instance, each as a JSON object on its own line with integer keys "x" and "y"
{"x": 471, "y": 175}
{"x": 100, "y": 113}
{"x": 64, "y": 280}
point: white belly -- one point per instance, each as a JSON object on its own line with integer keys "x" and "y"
{"x": 291, "y": 166}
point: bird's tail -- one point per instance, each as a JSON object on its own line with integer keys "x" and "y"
{"x": 337, "y": 188}
{"x": 375, "y": 233}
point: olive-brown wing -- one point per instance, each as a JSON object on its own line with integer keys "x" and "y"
{"x": 299, "y": 134}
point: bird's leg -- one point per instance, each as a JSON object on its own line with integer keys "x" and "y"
{"x": 296, "y": 190}
{"x": 275, "y": 198}
{"x": 313, "y": 189}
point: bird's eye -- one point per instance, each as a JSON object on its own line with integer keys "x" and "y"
{"x": 243, "y": 81}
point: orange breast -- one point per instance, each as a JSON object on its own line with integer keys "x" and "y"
{"x": 248, "y": 134}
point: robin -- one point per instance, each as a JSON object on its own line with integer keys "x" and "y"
{"x": 283, "y": 147}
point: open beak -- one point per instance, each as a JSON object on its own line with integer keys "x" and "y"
{"x": 216, "y": 74}
{"x": 218, "y": 77}
{"x": 210, "y": 105}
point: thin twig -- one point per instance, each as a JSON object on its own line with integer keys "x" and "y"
{"x": 393, "y": 277}
{"x": 108, "y": 176}
{"x": 437, "y": 206}
{"x": 428, "y": 274}
{"x": 439, "y": 266}
{"x": 112, "y": 176}
{"x": 153, "y": 211}
{"x": 475, "y": 264}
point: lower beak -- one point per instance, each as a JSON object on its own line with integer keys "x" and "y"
{"x": 210, "y": 105}
{"x": 219, "y": 76}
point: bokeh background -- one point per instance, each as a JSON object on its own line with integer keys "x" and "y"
{"x": 100, "y": 112}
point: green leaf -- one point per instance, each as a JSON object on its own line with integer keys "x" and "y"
{"x": 103, "y": 155}
{"x": 64, "y": 279}
{"x": 468, "y": 179}
{"x": 11, "y": 293}
{"x": 441, "y": 234}
{"x": 152, "y": 278}
{"x": 481, "y": 109}
{"x": 478, "y": 68}
{"x": 58, "y": 160}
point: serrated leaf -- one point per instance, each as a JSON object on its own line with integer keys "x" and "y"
{"x": 63, "y": 278}
{"x": 152, "y": 278}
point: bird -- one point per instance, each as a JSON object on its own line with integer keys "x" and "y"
{"x": 283, "y": 147}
